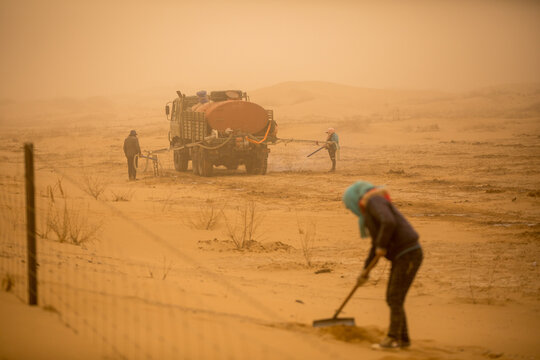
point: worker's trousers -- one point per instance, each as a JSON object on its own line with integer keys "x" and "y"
{"x": 332, "y": 153}
{"x": 132, "y": 172}
{"x": 402, "y": 275}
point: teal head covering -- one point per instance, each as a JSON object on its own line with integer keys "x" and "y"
{"x": 352, "y": 196}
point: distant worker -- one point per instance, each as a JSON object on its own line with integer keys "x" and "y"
{"x": 332, "y": 145}
{"x": 131, "y": 149}
{"x": 393, "y": 237}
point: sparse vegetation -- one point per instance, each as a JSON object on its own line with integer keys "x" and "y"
{"x": 65, "y": 221}
{"x": 243, "y": 226}
{"x": 122, "y": 195}
{"x": 94, "y": 186}
{"x": 57, "y": 188}
{"x": 206, "y": 217}
{"x": 307, "y": 233}
{"x": 166, "y": 267}
{"x": 68, "y": 223}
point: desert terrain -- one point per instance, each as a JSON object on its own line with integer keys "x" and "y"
{"x": 162, "y": 268}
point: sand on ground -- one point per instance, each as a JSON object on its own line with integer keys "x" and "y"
{"x": 158, "y": 279}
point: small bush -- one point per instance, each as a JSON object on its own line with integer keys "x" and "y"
{"x": 165, "y": 269}
{"x": 243, "y": 226}
{"x": 68, "y": 223}
{"x": 207, "y": 217}
{"x": 65, "y": 222}
{"x": 307, "y": 234}
{"x": 94, "y": 185}
{"x": 126, "y": 195}
{"x": 56, "y": 190}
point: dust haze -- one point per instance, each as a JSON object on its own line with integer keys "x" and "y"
{"x": 81, "y": 49}
{"x": 221, "y": 243}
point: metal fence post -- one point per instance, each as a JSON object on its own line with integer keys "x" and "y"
{"x": 31, "y": 223}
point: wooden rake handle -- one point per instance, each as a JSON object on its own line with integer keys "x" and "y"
{"x": 356, "y": 286}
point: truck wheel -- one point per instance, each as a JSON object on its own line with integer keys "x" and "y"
{"x": 206, "y": 168}
{"x": 250, "y": 164}
{"x": 263, "y": 163}
{"x": 233, "y": 165}
{"x": 260, "y": 164}
{"x": 195, "y": 161}
{"x": 257, "y": 163}
{"x": 181, "y": 160}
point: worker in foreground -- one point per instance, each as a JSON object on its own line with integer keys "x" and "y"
{"x": 394, "y": 238}
{"x": 131, "y": 149}
{"x": 332, "y": 145}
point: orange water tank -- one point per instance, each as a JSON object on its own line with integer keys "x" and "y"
{"x": 234, "y": 114}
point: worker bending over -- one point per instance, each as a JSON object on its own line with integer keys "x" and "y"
{"x": 394, "y": 238}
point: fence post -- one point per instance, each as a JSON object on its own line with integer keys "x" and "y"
{"x": 31, "y": 223}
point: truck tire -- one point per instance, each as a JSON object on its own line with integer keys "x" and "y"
{"x": 232, "y": 165}
{"x": 195, "y": 161}
{"x": 206, "y": 168}
{"x": 181, "y": 160}
{"x": 250, "y": 164}
{"x": 263, "y": 163}
{"x": 257, "y": 163}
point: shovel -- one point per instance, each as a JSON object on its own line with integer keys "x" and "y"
{"x": 335, "y": 320}
{"x": 344, "y": 321}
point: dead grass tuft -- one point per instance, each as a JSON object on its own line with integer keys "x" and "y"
{"x": 66, "y": 221}
{"x": 166, "y": 267}
{"x": 242, "y": 227}
{"x": 206, "y": 217}
{"x": 125, "y": 195}
{"x": 307, "y": 235}
{"x": 94, "y": 186}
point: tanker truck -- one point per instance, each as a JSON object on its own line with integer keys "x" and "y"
{"x": 220, "y": 129}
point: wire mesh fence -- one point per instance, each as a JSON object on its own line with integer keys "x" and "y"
{"x": 131, "y": 292}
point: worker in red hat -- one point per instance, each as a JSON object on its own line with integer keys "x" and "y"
{"x": 332, "y": 145}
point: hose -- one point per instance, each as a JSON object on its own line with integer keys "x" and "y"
{"x": 214, "y": 147}
{"x": 263, "y": 139}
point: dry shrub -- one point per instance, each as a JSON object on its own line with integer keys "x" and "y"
{"x": 68, "y": 224}
{"x": 166, "y": 267}
{"x": 125, "y": 195}
{"x": 206, "y": 217}
{"x": 56, "y": 190}
{"x": 243, "y": 226}
{"x": 307, "y": 234}
{"x": 66, "y": 221}
{"x": 94, "y": 185}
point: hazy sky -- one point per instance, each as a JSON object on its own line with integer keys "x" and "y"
{"x": 99, "y": 47}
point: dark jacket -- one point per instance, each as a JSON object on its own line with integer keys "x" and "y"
{"x": 131, "y": 146}
{"x": 388, "y": 229}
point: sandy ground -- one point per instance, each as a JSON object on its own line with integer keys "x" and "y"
{"x": 157, "y": 281}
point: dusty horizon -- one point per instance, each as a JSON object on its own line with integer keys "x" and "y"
{"x": 60, "y": 48}
{"x": 227, "y": 241}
